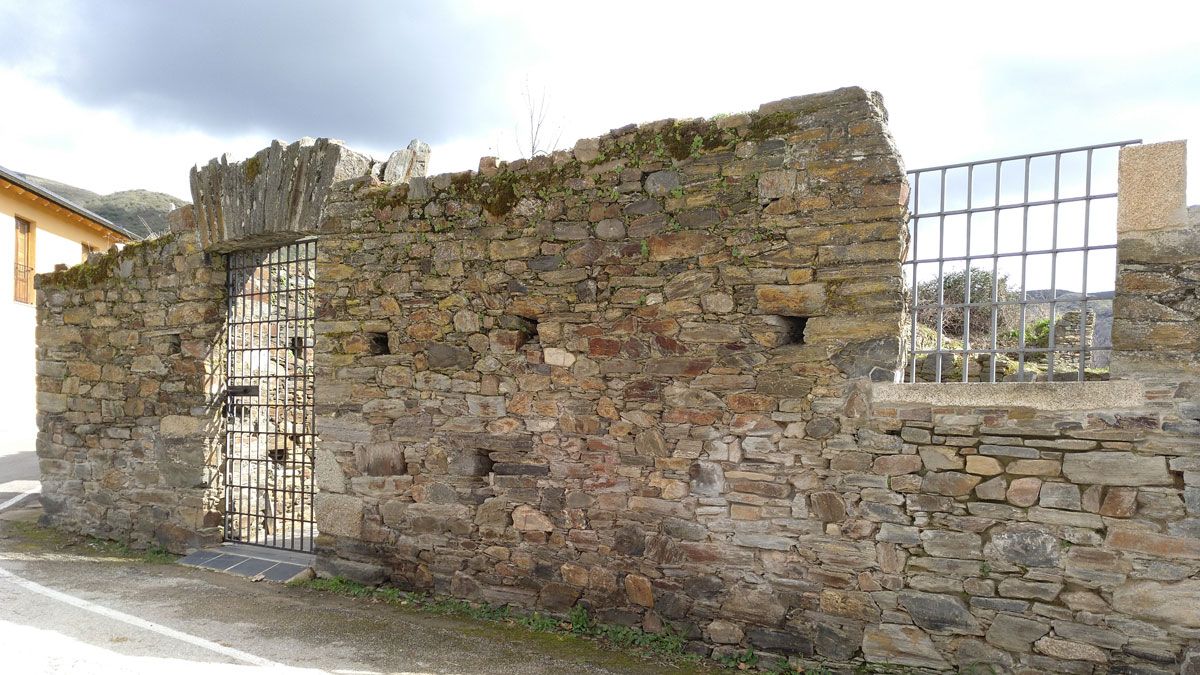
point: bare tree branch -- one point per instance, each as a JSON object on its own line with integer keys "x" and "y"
{"x": 536, "y": 139}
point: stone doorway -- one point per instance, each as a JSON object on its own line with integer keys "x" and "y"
{"x": 267, "y": 468}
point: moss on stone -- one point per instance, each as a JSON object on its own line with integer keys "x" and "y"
{"x": 252, "y": 167}
{"x": 31, "y": 537}
{"x": 679, "y": 141}
{"x": 499, "y": 195}
{"x": 771, "y": 125}
{"x": 92, "y": 272}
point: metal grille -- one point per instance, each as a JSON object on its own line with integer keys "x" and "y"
{"x": 269, "y": 444}
{"x": 23, "y": 283}
{"x": 1011, "y": 267}
{"x": 23, "y": 262}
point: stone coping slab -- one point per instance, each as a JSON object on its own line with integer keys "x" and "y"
{"x": 1110, "y": 394}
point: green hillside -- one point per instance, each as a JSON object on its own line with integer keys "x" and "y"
{"x": 142, "y": 212}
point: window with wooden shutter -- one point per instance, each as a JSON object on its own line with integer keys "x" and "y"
{"x": 24, "y": 262}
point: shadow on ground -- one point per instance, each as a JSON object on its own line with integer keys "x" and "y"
{"x": 296, "y": 626}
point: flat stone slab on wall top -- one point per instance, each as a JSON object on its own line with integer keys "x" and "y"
{"x": 1111, "y": 394}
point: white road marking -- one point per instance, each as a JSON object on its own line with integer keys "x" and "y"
{"x": 15, "y": 500}
{"x": 211, "y": 646}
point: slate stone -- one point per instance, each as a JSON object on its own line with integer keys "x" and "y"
{"x": 779, "y": 642}
{"x": 939, "y": 612}
{"x": 661, "y": 183}
{"x": 901, "y": 645}
{"x": 1014, "y": 633}
{"x": 1025, "y": 545}
{"x": 443, "y": 357}
{"x": 1115, "y": 468}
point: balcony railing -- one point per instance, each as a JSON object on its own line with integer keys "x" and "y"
{"x": 23, "y": 284}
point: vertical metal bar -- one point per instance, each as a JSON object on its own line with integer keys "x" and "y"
{"x": 1050, "y": 365}
{"x": 966, "y": 354}
{"x": 1024, "y": 267}
{"x": 280, "y": 466}
{"x": 916, "y": 301}
{"x": 1083, "y": 302}
{"x": 230, "y": 331}
{"x": 309, "y": 410}
{"x": 995, "y": 273}
{"x": 941, "y": 280}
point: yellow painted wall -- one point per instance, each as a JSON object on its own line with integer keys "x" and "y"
{"x": 59, "y": 236}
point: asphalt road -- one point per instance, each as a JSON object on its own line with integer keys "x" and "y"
{"x": 18, "y": 473}
{"x": 67, "y": 607}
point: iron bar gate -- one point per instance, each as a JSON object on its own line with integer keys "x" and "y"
{"x": 1011, "y": 267}
{"x": 269, "y": 446}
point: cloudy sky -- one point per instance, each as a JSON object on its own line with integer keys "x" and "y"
{"x": 125, "y": 93}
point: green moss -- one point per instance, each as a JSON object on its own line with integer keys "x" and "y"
{"x": 252, "y": 167}
{"x": 556, "y": 632}
{"x": 499, "y": 196}
{"x": 681, "y": 140}
{"x": 32, "y": 537}
{"x": 770, "y": 125}
{"x": 500, "y": 192}
{"x": 88, "y": 274}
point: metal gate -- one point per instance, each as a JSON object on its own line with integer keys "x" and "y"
{"x": 269, "y": 441}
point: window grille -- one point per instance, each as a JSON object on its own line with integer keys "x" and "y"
{"x": 23, "y": 262}
{"x": 1011, "y": 267}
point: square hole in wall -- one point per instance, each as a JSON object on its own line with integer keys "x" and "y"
{"x": 524, "y": 325}
{"x": 791, "y": 329}
{"x": 377, "y": 344}
{"x": 173, "y": 345}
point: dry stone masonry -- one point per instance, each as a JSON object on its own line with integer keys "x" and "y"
{"x": 653, "y": 376}
{"x": 128, "y": 435}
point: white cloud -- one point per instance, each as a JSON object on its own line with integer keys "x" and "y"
{"x": 44, "y": 133}
{"x": 962, "y": 81}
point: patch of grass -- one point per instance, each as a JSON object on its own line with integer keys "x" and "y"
{"x": 156, "y": 555}
{"x": 668, "y": 644}
{"x": 37, "y": 537}
{"x": 739, "y": 660}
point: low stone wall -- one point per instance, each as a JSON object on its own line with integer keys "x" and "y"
{"x": 1042, "y": 533}
{"x": 128, "y": 433}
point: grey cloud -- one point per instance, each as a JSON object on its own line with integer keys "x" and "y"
{"x": 371, "y": 72}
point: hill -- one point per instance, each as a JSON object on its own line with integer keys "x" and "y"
{"x": 142, "y": 212}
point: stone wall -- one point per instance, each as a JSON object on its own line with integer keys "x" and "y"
{"x": 128, "y": 431}
{"x": 652, "y": 376}
{"x": 1053, "y": 531}
{"x": 131, "y": 357}
{"x": 617, "y": 375}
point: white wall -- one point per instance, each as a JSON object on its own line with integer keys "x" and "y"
{"x": 57, "y": 242}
